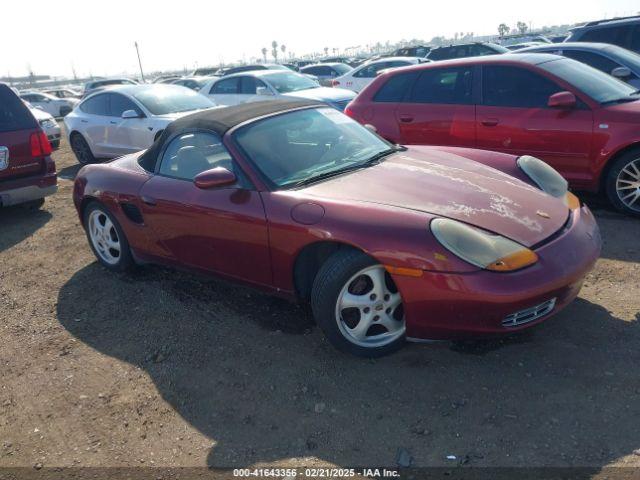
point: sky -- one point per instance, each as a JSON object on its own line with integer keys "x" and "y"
{"x": 97, "y": 37}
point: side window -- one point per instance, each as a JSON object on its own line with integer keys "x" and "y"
{"x": 444, "y": 86}
{"x": 635, "y": 38}
{"x": 395, "y": 63}
{"x": 28, "y": 98}
{"x": 481, "y": 50}
{"x": 395, "y": 88}
{"x": 618, "y": 35}
{"x": 226, "y": 86}
{"x": 97, "y": 105}
{"x": 370, "y": 71}
{"x": 120, "y": 104}
{"x": 312, "y": 70}
{"x": 323, "y": 71}
{"x": 504, "y": 86}
{"x": 248, "y": 85}
{"x": 192, "y": 153}
{"x": 594, "y": 60}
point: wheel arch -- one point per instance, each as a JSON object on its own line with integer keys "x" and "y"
{"x": 310, "y": 259}
{"x": 158, "y": 134}
{"x": 84, "y": 204}
{"x": 612, "y": 159}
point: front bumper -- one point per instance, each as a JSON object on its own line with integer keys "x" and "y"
{"x": 442, "y": 305}
{"x": 27, "y": 189}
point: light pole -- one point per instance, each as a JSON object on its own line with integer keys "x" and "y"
{"x": 139, "y": 62}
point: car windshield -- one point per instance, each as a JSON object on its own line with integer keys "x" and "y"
{"x": 285, "y": 82}
{"x": 631, "y": 59}
{"x": 309, "y": 145}
{"x": 163, "y": 100}
{"x": 599, "y": 86}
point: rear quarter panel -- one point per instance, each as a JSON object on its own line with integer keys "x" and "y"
{"x": 112, "y": 186}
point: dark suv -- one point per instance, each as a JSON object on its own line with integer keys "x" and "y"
{"x": 624, "y": 32}
{"x": 463, "y": 50}
{"x": 27, "y": 172}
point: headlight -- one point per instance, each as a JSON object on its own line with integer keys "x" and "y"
{"x": 548, "y": 180}
{"x": 491, "y": 252}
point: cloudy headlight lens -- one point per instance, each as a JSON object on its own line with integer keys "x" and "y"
{"x": 491, "y": 252}
{"x": 548, "y": 180}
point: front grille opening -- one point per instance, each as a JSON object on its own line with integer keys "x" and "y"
{"x": 530, "y": 314}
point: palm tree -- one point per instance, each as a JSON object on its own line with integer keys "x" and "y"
{"x": 503, "y": 29}
{"x": 522, "y": 27}
{"x": 274, "y": 50}
{"x": 326, "y": 51}
{"x": 264, "y": 54}
{"x": 284, "y": 49}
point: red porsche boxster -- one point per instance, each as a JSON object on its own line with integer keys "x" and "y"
{"x": 386, "y": 243}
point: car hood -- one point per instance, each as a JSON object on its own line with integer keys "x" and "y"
{"x": 452, "y": 186}
{"x": 324, "y": 94}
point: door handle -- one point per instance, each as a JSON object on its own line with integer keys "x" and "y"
{"x": 148, "y": 200}
{"x": 490, "y": 122}
{"x": 113, "y": 123}
{"x": 406, "y": 118}
{"x": 84, "y": 121}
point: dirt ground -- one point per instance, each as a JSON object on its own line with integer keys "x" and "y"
{"x": 167, "y": 368}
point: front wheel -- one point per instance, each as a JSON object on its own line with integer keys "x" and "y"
{"x": 623, "y": 183}
{"x": 106, "y": 238}
{"x": 358, "y": 306}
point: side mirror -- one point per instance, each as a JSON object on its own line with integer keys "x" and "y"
{"x": 562, "y": 100}
{"x": 263, "y": 92}
{"x": 216, "y": 177}
{"x": 130, "y": 114}
{"x": 621, "y": 72}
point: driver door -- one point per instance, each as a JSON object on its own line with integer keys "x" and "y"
{"x": 222, "y": 230}
{"x": 127, "y": 135}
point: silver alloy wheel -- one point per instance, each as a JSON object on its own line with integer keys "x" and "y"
{"x": 628, "y": 185}
{"x": 104, "y": 237}
{"x": 370, "y": 313}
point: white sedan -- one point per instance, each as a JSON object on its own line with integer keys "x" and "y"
{"x": 271, "y": 84}
{"x": 361, "y": 76}
{"x": 48, "y": 124}
{"x": 126, "y": 119}
{"x": 54, "y": 106}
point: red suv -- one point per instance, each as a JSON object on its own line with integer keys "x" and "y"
{"x": 581, "y": 121}
{"x": 27, "y": 172}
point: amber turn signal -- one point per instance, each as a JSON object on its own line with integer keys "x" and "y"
{"x": 515, "y": 261}
{"x": 407, "y": 272}
{"x": 572, "y": 201}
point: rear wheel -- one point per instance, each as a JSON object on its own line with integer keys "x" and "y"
{"x": 106, "y": 238}
{"x": 55, "y": 144}
{"x": 81, "y": 149}
{"x": 358, "y": 306}
{"x": 623, "y": 183}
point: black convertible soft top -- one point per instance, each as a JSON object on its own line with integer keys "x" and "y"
{"x": 220, "y": 120}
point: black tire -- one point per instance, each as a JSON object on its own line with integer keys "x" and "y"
{"x": 81, "y": 149}
{"x": 125, "y": 261}
{"x": 33, "y": 204}
{"x": 337, "y": 270}
{"x": 611, "y": 182}
{"x": 55, "y": 144}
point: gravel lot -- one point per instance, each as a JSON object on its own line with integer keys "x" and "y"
{"x": 169, "y": 368}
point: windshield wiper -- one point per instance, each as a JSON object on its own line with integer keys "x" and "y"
{"x": 374, "y": 160}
